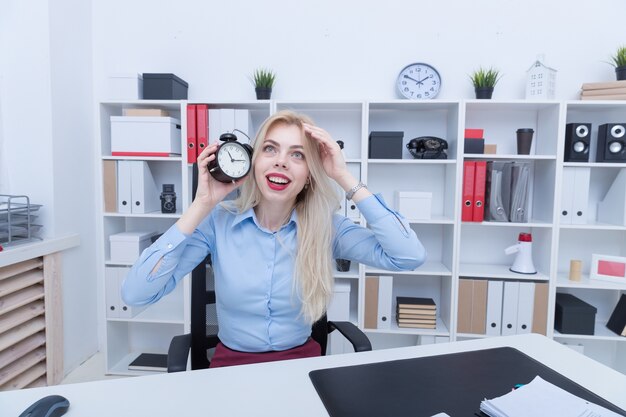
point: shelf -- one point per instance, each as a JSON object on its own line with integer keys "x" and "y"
{"x": 412, "y": 161}
{"x": 532, "y": 223}
{"x": 433, "y": 220}
{"x": 143, "y": 158}
{"x": 595, "y": 164}
{"x": 510, "y": 156}
{"x": 163, "y": 312}
{"x": 440, "y": 330}
{"x": 600, "y": 333}
{"x": 121, "y": 367}
{"x": 510, "y": 105}
{"x": 153, "y": 215}
{"x": 563, "y": 281}
{"x": 497, "y": 271}
{"x": 593, "y": 226}
{"x": 428, "y": 268}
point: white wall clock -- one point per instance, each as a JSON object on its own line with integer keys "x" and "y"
{"x": 419, "y": 81}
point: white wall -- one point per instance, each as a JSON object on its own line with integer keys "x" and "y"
{"x": 47, "y": 147}
{"x": 329, "y": 49}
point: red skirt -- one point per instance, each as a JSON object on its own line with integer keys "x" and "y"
{"x": 227, "y": 357}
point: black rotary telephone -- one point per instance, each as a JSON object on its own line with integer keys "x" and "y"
{"x": 428, "y": 147}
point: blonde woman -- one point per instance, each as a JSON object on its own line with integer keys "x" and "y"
{"x": 272, "y": 248}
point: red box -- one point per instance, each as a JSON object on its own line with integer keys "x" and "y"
{"x": 474, "y": 133}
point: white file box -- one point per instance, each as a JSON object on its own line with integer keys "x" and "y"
{"x": 414, "y": 205}
{"x": 339, "y": 310}
{"x": 127, "y": 246}
{"x": 125, "y": 86}
{"x": 145, "y": 136}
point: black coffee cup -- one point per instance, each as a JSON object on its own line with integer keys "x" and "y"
{"x": 524, "y": 140}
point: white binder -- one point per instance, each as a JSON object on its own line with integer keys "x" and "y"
{"x": 125, "y": 311}
{"x": 144, "y": 191}
{"x": 494, "y": 308}
{"x": 111, "y": 292}
{"x": 215, "y": 129}
{"x": 509, "y": 307}
{"x": 339, "y": 310}
{"x": 580, "y": 200}
{"x": 124, "y": 198}
{"x": 525, "y": 306}
{"x": 567, "y": 191}
{"x": 385, "y": 314}
{"x": 352, "y": 210}
{"x": 227, "y": 120}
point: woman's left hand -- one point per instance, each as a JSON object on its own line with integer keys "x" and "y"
{"x": 330, "y": 152}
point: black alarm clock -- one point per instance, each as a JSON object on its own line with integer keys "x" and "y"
{"x": 233, "y": 159}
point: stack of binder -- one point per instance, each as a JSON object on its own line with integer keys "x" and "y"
{"x": 612, "y": 90}
{"x": 416, "y": 312}
{"x": 507, "y": 189}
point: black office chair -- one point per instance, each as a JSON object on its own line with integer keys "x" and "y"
{"x": 203, "y": 331}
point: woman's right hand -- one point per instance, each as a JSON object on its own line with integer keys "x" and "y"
{"x": 211, "y": 191}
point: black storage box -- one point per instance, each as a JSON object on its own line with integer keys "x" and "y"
{"x": 474, "y": 145}
{"x": 164, "y": 87}
{"x": 385, "y": 145}
{"x": 574, "y": 316}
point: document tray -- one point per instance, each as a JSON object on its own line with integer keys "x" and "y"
{"x": 453, "y": 383}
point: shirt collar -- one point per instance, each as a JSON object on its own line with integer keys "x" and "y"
{"x": 250, "y": 214}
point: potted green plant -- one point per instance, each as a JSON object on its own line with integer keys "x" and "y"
{"x": 619, "y": 62}
{"x": 484, "y": 81}
{"x": 263, "y": 80}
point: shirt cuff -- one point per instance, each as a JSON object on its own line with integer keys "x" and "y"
{"x": 170, "y": 240}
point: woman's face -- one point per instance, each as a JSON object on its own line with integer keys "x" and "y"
{"x": 281, "y": 168}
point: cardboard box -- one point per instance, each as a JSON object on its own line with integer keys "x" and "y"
{"x": 491, "y": 149}
{"x": 574, "y": 316}
{"x": 158, "y": 86}
{"x": 125, "y": 87}
{"x": 127, "y": 246}
{"x": 145, "y": 136}
{"x": 385, "y": 145}
{"x": 414, "y": 205}
{"x": 474, "y": 133}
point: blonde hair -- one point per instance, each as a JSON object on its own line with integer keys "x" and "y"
{"x": 315, "y": 206}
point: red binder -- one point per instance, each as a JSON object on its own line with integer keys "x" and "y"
{"x": 191, "y": 134}
{"x": 480, "y": 179}
{"x": 203, "y": 126}
{"x": 467, "y": 211}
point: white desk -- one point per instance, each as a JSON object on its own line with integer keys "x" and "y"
{"x": 284, "y": 388}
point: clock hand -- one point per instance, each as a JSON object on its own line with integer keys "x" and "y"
{"x": 413, "y": 79}
{"x": 238, "y": 160}
{"x": 422, "y": 80}
{"x": 231, "y": 157}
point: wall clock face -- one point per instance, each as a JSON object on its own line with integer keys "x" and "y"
{"x": 419, "y": 81}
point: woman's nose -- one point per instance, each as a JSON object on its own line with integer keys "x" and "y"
{"x": 281, "y": 160}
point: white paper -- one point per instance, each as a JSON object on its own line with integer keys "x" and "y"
{"x": 540, "y": 398}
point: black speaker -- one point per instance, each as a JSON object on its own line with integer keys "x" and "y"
{"x": 611, "y": 143}
{"x": 577, "y": 142}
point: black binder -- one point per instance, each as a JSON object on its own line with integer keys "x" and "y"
{"x": 453, "y": 383}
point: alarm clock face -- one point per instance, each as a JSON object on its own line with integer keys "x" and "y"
{"x": 233, "y": 160}
{"x": 419, "y": 81}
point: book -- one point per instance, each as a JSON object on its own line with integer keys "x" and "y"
{"x": 404, "y": 310}
{"x": 149, "y": 362}
{"x": 415, "y": 321}
{"x": 604, "y": 85}
{"x": 617, "y": 321}
{"x": 416, "y": 316}
{"x": 604, "y": 91}
{"x": 415, "y": 302}
{"x": 611, "y": 97}
{"x": 418, "y": 325}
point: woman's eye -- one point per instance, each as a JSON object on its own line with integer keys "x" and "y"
{"x": 298, "y": 155}
{"x": 268, "y": 148}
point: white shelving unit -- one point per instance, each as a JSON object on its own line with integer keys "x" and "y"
{"x": 456, "y": 249}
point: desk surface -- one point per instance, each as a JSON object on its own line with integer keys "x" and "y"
{"x": 284, "y": 388}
